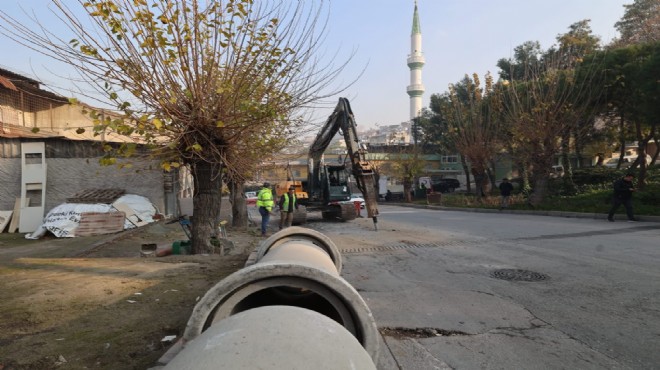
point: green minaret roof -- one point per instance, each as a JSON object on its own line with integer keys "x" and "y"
{"x": 416, "y": 28}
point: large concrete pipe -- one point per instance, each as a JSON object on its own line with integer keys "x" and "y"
{"x": 274, "y": 337}
{"x": 297, "y": 270}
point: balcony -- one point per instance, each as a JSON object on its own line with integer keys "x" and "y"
{"x": 416, "y": 61}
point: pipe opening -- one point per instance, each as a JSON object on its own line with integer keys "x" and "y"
{"x": 289, "y": 296}
{"x": 288, "y": 291}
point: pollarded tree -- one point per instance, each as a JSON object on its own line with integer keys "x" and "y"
{"x": 541, "y": 109}
{"x": 474, "y": 124}
{"x": 212, "y": 85}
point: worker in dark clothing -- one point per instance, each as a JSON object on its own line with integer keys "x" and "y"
{"x": 623, "y": 191}
{"x": 505, "y": 192}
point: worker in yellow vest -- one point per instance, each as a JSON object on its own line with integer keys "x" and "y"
{"x": 287, "y": 205}
{"x": 265, "y": 204}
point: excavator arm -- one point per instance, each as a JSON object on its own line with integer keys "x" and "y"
{"x": 342, "y": 119}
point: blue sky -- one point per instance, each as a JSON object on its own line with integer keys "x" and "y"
{"x": 459, "y": 37}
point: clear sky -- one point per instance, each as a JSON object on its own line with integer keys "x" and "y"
{"x": 459, "y": 37}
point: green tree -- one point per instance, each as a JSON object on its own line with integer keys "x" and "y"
{"x": 570, "y": 51}
{"x": 212, "y": 85}
{"x": 436, "y": 132}
{"x": 406, "y": 162}
{"x": 632, "y": 94}
{"x": 526, "y": 57}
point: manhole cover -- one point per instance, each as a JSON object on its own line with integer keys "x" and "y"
{"x": 518, "y": 275}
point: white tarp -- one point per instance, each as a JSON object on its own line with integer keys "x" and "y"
{"x": 62, "y": 220}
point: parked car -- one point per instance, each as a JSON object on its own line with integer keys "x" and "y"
{"x": 445, "y": 185}
{"x": 251, "y": 197}
{"x": 357, "y": 197}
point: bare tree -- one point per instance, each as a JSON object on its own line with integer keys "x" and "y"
{"x": 213, "y": 85}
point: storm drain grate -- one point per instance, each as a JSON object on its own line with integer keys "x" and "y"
{"x": 399, "y": 246}
{"x": 402, "y": 333}
{"x": 518, "y": 275}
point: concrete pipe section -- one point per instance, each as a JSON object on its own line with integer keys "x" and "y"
{"x": 274, "y": 337}
{"x": 296, "y": 275}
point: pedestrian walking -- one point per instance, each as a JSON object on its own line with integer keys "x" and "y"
{"x": 265, "y": 205}
{"x": 505, "y": 192}
{"x": 288, "y": 203}
{"x": 623, "y": 191}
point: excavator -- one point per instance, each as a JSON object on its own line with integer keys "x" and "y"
{"x": 327, "y": 187}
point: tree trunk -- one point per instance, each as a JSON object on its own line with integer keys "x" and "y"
{"x": 466, "y": 171}
{"x": 642, "y": 143}
{"x": 206, "y": 205}
{"x": 491, "y": 176}
{"x": 541, "y": 173}
{"x": 622, "y": 140}
{"x": 525, "y": 185}
{"x": 407, "y": 187}
{"x": 579, "y": 145}
{"x": 239, "y": 215}
{"x": 540, "y": 190}
{"x": 479, "y": 182}
{"x": 566, "y": 162}
{"x": 654, "y": 159}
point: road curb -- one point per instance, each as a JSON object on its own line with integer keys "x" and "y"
{"x": 597, "y": 216}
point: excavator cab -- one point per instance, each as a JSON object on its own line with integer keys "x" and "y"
{"x": 337, "y": 189}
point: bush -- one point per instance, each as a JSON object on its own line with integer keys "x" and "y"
{"x": 595, "y": 176}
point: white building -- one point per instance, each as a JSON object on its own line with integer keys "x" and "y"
{"x": 415, "y": 62}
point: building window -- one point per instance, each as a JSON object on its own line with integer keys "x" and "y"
{"x": 449, "y": 159}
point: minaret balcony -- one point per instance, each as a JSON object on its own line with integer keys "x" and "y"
{"x": 415, "y": 90}
{"x": 416, "y": 61}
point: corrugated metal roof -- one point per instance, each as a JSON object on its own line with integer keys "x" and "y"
{"x": 7, "y": 83}
{"x": 14, "y": 132}
{"x": 111, "y": 137}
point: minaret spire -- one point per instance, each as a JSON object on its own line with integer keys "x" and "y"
{"x": 415, "y": 63}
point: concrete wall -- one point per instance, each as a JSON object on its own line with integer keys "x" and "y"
{"x": 67, "y": 176}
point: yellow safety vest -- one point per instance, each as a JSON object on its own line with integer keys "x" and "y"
{"x": 265, "y": 199}
{"x": 285, "y": 205}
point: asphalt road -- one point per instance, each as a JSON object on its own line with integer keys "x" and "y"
{"x": 594, "y": 302}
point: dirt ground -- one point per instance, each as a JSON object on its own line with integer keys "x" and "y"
{"x": 95, "y": 303}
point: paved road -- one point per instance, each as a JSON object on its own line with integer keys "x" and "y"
{"x": 596, "y": 307}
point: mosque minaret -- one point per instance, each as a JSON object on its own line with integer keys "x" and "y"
{"x": 415, "y": 63}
